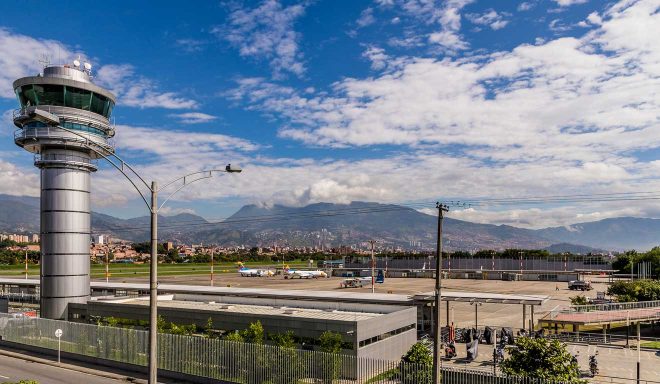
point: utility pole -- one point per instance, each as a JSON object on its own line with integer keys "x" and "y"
{"x": 521, "y": 268}
{"x": 106, "y": 265}
{"x": 26, "y": 265}
{"x": 153, "y": 288}
{"x": 442, "y": 208}
{"x": 639, "y": 352}
{"x": 493, "y": 260}
{"x": 211, "y": 265}
{"x": 373, "y": 267}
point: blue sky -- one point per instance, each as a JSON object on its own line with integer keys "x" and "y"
{"x": 385, "y": 100}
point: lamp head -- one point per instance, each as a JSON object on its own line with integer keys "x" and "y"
{"x": 233, "y": 168}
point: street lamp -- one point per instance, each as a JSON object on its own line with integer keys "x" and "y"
{"x": 153, "y": 208}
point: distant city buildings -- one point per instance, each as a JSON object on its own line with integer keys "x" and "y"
{"x": 19, "y": 238}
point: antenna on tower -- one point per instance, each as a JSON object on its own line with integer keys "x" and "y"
{"x": 88, "y": 68}
{"x": 44, "y": 60}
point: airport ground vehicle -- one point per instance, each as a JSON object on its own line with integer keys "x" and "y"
{"x": 356, "y": 282}
{"x": 579, "y": 285}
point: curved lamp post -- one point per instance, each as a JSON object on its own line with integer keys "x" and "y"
{"x": 153, "y": 207}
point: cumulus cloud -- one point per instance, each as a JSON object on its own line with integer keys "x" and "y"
{"x": 193, "y": 117}
{"x": 267, "y": 32}
{"x": 490, "y": 18}
{"x": 567, "y": 3}
{"x": 377, "y": 56}
{"x": 569, "y": 111}
{"x": 137, "y": 91}
{"x": 366, "y": 18}
{"x": 20, "y": 56}
{"x": 444, "y": 16}
{"x": 17, "y": 181}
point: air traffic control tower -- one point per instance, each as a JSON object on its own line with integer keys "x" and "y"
{"x": 63, "y": 120}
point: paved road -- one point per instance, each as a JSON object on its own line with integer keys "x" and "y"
{"x": 13, "y": 369}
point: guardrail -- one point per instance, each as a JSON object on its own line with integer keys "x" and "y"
{"x": 614, "y": 306}
{"x": 230, "y": 361}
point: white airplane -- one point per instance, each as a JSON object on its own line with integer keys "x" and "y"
{"x": 292, "y": 274}
{"x": 250, "y": 272}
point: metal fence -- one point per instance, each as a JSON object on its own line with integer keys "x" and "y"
{"x": 606, "y": 313}
{"x": 450, "y": 263}
{"x": 230, "y": 361}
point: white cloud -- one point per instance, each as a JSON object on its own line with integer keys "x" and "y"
{"x": 18, "y": 181}
{"x": 136, "y": 91}
{"x": 366, "y": 18}
{"x": 170, "y": 211}
{"x": 7, "y": 126}
{"x": 191, "y": 45}
{"x": 525, "y": 6}
{"x": 490, "y": 18}
{"x": 377, "y": 56}
{"x": 267, "y": 32}
{"x": 594, "y": 18}
{"x": 164, "y": 142}
{"x": 20, "y": 55}
{"x": 443, "y": 15}
{"x": 567, "y": 3}
{"x": 569, "y": 112}
{"x": 194, "y": 117}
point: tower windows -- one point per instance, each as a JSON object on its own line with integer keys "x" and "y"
{"x": 60, "y": 95}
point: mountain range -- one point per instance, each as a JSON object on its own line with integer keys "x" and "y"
{"x": 332, "y": 225}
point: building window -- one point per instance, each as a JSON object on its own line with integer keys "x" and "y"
{"x": 385, "y": 335}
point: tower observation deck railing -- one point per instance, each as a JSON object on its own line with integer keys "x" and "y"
{"x": 55, "y": 133}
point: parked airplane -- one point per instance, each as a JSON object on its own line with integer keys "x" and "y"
{"x": 292, "y": 274}
{"x": 250, "y": 272}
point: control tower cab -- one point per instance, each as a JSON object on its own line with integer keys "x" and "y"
{"x": 64, "y": 120}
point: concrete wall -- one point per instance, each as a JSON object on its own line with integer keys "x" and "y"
{"x": 386, "y": 323}
{"x": 391, "y": 348}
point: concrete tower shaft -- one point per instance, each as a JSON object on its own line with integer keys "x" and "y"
{"x": 63, "y": 120}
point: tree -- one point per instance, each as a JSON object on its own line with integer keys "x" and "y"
{"x": 579, "y": 300}
{"x": 161, "y": 324}
{"x": 286, "y": 368}
{"x": 419, "y": 353}
{"x": 623, "y": 262}
{"x": 541, "y": 359}
{"x": 254, "y": 333}
{"x": 638, "y": 290}
{"x": 420, "y": 358}
{"x": 284, "y": 340}
{"x": 209, "y": 329}
{"x": 234, "y": 336}
{"x": 330, "y": 342}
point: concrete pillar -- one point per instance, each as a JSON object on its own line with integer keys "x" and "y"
{"x": 531, "y": 325}
{"x": 524, "y": 316}
{"x": 447, "y": 312}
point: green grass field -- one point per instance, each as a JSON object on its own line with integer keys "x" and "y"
{"x": 127, "y": 270}
{"x": 651, "y": 344}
